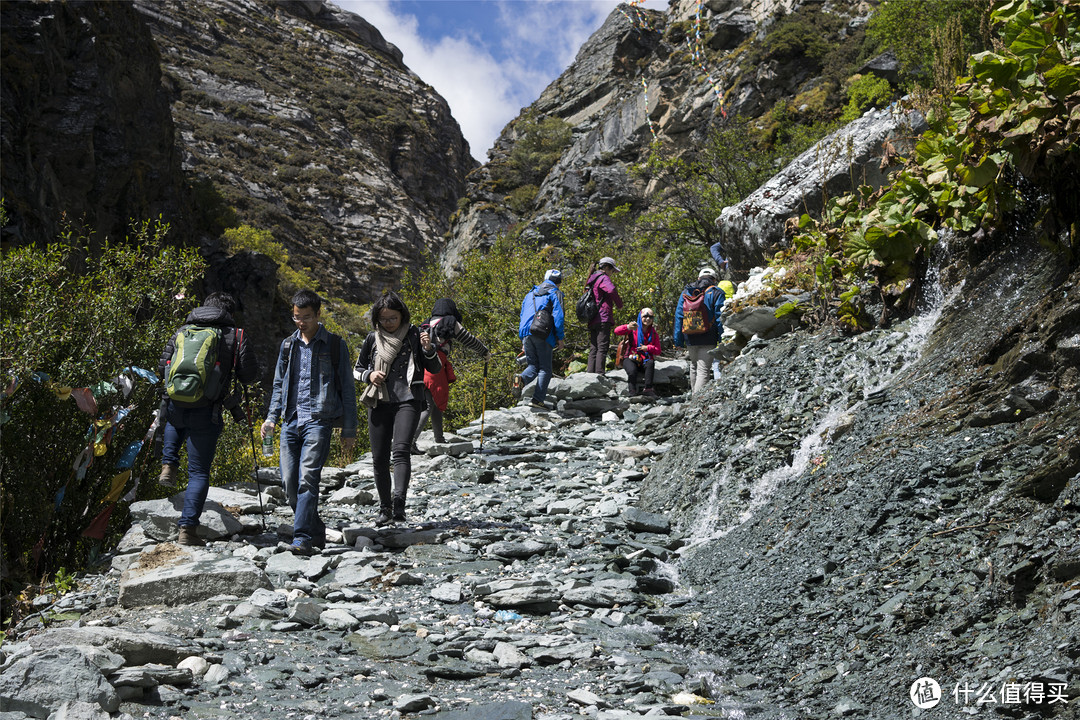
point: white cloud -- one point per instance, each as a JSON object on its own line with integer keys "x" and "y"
{"x": 489, "y": 74}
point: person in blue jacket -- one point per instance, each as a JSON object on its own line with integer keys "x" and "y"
{"x": 540, "y": 339}
{"x": 699, "y": 344}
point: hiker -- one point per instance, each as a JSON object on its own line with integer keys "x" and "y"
{"x": 643, "y": 349}
{"x": 198, "y": 422}
{"x": 312, "y": 394}
{"x": 697, "y": 325}
{"x": 607, "y": 295}
{"x": 541, "y": 328}
{"x": 444, "y": 326}
{"x": 717, "y": 251}
{"x": 392, "y": 361}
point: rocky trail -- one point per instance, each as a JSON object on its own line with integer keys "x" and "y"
{"x": 830, "y": 525}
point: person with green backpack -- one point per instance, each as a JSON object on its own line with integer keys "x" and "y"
{"x": 198, "y": 366}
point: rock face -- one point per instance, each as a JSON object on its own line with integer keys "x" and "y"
{"x": 293, "y": 117}
{"x": 633, "y": 83}
{"x": 303, "y": 118}
{"x": 858, "y": 153}
{"x": 84, "y": 134}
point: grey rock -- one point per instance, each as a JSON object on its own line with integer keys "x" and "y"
{"x": 158, "y": 519}
{"x": 136, "y": 648}
{"x": 505, "y": 710}
{"x": 449, "y": 592}
{"x": 518, "y": 548}
{"x": 638, "y": 520}
{"x": 201, "y": 579}
{"x": 39, "y": 684}
{"x": 751, "y": 225}
{"x": 413, "y": 703}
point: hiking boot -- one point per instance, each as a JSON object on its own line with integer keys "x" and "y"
{"x": 384, "y": 517}
{"x": 167, "y": 476}
{"x": 399, "y": 509}
{"x": 538, "y": 404}
{"x": 517, "y": 386}
{"x": 649, "y": 392}
{"x": 189, "y": 536}
{"x": 415, "y": 450}
{"x": 301, "y": 547}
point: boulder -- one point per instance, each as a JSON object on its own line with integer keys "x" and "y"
{"x": 190, "y": 582}
{"x": 756, "y": 223}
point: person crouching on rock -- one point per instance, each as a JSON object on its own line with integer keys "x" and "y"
{"x": 392, "y": 361}
{"x": 644, "y": 347}
{"x": 443, "y": 327}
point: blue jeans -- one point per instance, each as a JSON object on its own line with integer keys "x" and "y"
{"x": 538, "y": 353}
{"x": 303, "y": 453}
{"x": 196, "y": 426}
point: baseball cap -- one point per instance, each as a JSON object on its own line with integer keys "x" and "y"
{"x": 609, "y": 261}
{"x": 553, "y": 275}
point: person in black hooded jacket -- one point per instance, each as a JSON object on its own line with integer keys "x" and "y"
{"x": 444, "y": 327}
{"x": 201, "y": 426}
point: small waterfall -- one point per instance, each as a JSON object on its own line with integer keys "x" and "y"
{"x": 863, "y": 376}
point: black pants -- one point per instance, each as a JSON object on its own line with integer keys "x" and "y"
{"x": 634, "y": 374}
{"x": 436, "y": 416}
{"x": 391, "y": 428}
{"x": 599, "y": 342}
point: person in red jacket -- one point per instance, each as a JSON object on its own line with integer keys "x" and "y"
{"x": 607, "y": 296}
{"x": 640, "y": 360}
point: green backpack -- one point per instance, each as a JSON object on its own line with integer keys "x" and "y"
{"x": 193, "y": 375}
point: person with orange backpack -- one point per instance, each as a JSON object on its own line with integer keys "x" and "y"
{"x": 697, "y": 325}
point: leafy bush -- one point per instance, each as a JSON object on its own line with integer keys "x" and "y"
{"x": 75, "y": 314}
{"x": 865, "y": 92}
{"x": 907, "y": 27}
{"x": 539, "y": 146}
{"x": 1017, "y": 112}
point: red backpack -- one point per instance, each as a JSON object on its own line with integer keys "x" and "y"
{"x": 696, "y": 318}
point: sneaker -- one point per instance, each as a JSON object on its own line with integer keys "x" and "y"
{"x": 539, "y": 404}
{"x": 167, "y": 476}
{"x": 189, "y": 536}
{"x": 301, "y": 547}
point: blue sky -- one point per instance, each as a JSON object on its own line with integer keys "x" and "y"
{"x": 488, "y": 58}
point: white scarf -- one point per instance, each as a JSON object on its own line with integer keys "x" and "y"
{"x": 387, "y": 347}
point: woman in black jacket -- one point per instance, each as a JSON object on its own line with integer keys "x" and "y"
{"x": 392, "y": 361}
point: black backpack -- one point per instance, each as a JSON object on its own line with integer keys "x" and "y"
{"x": 441, "y": 330}
{"x": 586, "y": 307}
{"x": 543, "y": 322}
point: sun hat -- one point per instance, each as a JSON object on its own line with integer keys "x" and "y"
{"x": 706, "y": 271}
{"x": 609, "y": 261}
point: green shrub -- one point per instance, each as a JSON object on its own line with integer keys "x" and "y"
{"x": 865, "y": 92}
{"x": 521, "y": 199}
{"x": 539, "y": 145}
{"x": 76, "y": 314}
{"x": 907, "y": 27}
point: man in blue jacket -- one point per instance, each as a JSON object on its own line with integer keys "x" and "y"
{"x": 313, "y": 393}
{"x": 541, "y": 330}
{"x": 697, "y": 325}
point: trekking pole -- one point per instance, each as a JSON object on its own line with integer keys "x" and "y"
{"x": 483, "y": 407}
{"x": 254, "y": 457}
